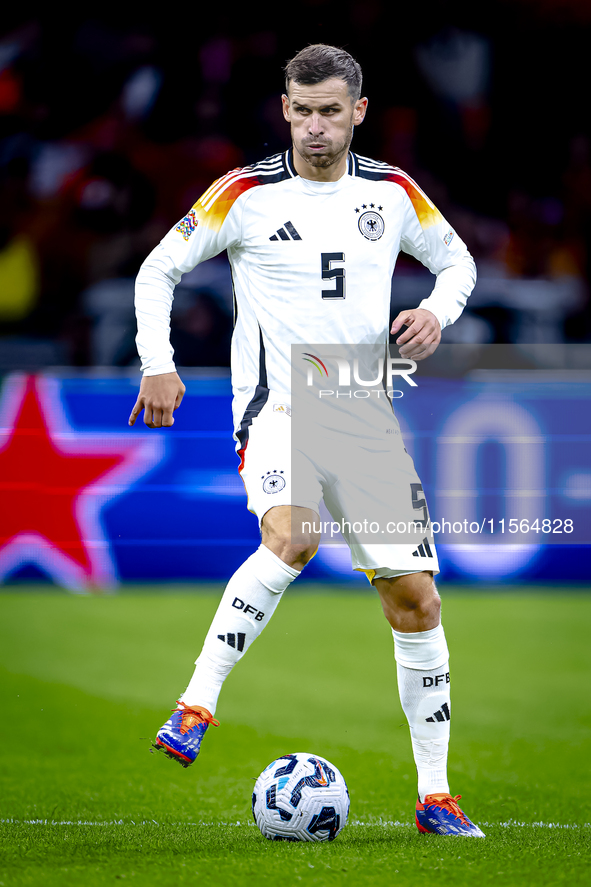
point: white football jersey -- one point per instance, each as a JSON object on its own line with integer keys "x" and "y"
{"x": 311, "y": 262}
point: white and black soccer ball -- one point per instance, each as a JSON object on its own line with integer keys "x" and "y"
{"x": 300, "y": 797}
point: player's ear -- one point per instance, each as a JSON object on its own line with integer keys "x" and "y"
{"x": 285, "y": 103}
{"x": 359, "y": 111}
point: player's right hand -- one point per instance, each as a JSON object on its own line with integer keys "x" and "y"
{"x": 159, "y": 397}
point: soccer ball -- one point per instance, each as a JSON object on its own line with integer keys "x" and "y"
{"x": 300, "y": 797}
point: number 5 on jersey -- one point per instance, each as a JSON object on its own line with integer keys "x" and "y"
{"x": 336, "y": 274}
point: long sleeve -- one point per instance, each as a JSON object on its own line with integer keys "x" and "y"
{"x": 154, "y": 290}
{"x": 430, "y": 238}
{"x": 212, "y": 225}
{"x": 450, "y": 293}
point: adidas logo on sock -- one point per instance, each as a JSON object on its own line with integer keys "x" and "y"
{"x": 234, "y": 640}
{"x": 441, "y": 715}
{"x": 424, "y": 549}
{"x": 288, "y": 232}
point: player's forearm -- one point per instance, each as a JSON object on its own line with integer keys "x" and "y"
{"x": 154, "y": 290}
{"x": 451, "y": 291}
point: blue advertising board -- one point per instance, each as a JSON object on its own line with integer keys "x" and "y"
{"x": 89, "y": 503}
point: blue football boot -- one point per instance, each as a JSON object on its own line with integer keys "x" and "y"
{"x": 180, "y": 737}
{"x": 440, "y": 814}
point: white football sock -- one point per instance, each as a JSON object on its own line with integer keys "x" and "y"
{"x": 423, "y": 684}
{"x": 248, "y": 602}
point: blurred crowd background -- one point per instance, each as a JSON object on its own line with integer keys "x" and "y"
{"x": 113, "y": 124}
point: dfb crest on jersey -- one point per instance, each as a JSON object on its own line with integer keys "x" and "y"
{"x": 273, "y": 482}
{"x": 371, "y": 225}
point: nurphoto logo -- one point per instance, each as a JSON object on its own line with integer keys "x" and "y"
{"x": 349, "y": 373}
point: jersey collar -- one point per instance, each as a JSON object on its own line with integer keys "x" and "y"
{"x": 289, "y": 164}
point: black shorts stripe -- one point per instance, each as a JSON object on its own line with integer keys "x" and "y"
{"x": 256, "y": 404}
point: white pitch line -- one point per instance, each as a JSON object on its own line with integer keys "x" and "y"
{"x": 396, "y": 823}
{"x": 511, "y": 823}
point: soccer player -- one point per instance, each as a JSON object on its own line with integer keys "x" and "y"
{"x": 312, "y": 235}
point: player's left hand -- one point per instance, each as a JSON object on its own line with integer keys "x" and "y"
{"x": 422, "y": 336}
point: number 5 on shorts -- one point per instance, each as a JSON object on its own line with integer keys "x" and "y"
{"x": 419, "y": 503}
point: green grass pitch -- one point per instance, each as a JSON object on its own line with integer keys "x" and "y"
{"x": 87, "y": 681}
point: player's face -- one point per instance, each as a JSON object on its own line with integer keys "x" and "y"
{"x": 322, "y": 117}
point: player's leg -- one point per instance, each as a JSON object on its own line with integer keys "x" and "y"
{"x": 412, "y": 606}
{"x": 288, "y": 532}
{"x": 254, "y": 591}
{"x": 385, "y": 492}
{"x": 247, "y": 605}
{"x": 249, "y": 600}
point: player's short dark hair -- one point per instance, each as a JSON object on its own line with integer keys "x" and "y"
{"x": 320, "y": 62}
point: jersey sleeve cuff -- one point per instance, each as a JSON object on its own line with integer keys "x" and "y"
{"x": 160, "y": 370}
{"x": 440, "y": 314}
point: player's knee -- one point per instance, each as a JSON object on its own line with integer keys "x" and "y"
{"x": 423, "y": 607}
{"x": 423, "y": 604}
{"x": 305, "y": 553}
{"x": 290, "y": 538}
{"x": 409, "y": 600}
{"x": 295, "y": 549}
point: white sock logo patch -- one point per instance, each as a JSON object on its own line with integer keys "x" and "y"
{"x": 239, "y": 604}
{"x": 440, "y": 715}
{"x": 235, "y": 640}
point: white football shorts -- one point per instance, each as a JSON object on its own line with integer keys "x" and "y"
{"x": 370, "y": 488}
